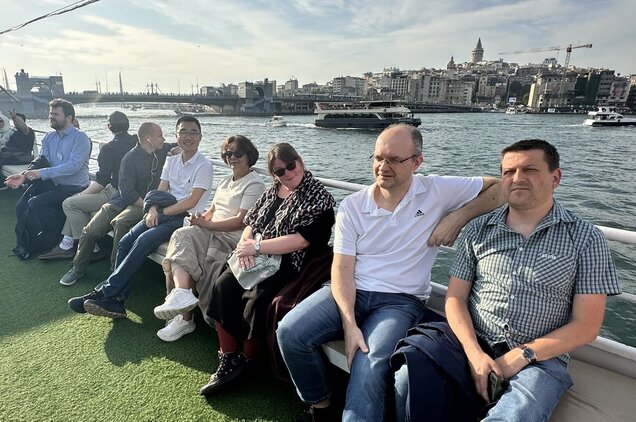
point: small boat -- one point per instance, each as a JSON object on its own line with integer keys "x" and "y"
{"x": 605, "y": 116}
{"x": 277, "y": 121}
{"x": 363, "y": 115}
{"x": 516, "y": 110}
{"x": 194, "y": 111}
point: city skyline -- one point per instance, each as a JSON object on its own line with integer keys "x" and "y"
{"x": 181, "y": 45}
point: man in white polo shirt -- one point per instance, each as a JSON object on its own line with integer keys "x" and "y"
{"x": 386, "y": 240}
{"x": 186, "y": 182}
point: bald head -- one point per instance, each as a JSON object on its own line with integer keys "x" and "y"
{"x": 404, "y": 131}
{"x": 146, "y": 130}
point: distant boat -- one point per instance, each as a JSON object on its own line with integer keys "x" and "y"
{"x": 277, "y": 121}
{"x": 363, "y": 115}
{"x": 196, "y": 112}
{"x": 605, "y": 116}
{"x": 516, "y": 110}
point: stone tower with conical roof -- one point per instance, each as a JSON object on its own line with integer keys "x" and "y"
{"x": 451, "y": 64}
{"x": 478, "y": 52}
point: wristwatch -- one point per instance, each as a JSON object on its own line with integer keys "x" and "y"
{"x": 528, "y": 353}
{"x": 257, "y": 246}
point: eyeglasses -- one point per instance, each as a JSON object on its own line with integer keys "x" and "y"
{"x": 281, "y": 172}
{"x": 190, "y": 133}
{"x": 228, "y": 154}
{"x": 390, "y": 161}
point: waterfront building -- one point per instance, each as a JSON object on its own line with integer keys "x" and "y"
{"x": 291, "y": 86}
{"x": 348, "y": 85}
{"x": 604, "y": 87}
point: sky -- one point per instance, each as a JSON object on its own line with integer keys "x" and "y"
{"x": 179, "y": 44}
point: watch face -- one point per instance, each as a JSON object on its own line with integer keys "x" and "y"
{"x": 529, "y": 354}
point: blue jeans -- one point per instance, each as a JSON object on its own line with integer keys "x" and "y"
{"x": 384, "y": 318}
{"x": 132, "y": 251}
{"x": 39, "y": 215}
{"x": 532, "y": 395}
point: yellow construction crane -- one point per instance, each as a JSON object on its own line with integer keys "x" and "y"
{"x": 568, "y": 49}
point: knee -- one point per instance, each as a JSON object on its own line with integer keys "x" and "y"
{"x": 285, "y": 332}
{"x": 68, "y": 205}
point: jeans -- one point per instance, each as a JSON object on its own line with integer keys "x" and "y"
{"x": 384, "y": 318}
{"x": 532, "y": 395}
{"x": 39, "y": 215}
{"x": 132, "y": 251}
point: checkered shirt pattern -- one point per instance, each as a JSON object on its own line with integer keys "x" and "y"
{"x": 523, "y": 288}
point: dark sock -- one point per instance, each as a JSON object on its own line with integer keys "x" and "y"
{"x": 227, "y": 342}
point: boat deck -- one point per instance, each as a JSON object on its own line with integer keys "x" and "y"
{"x": 57, "y": 365}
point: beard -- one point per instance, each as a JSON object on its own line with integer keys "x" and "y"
{"x": 56, "y": 125}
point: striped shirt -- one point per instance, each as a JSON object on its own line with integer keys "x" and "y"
{"x": 523, "y": 289}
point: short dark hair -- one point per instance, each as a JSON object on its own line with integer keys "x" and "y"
{"x": 243, "y": 144}
{"x": 67, "y": 106}
{"x": 284, "y": 152}
{"x": 22, "y": 116}
{"x": 188, "y": 119}
{"x": 416, "y": 135}
{"x": 550, "y": 153}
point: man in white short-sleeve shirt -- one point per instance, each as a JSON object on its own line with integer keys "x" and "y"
{"x": 188, "y": 178}
{"x": 386, "y": 240}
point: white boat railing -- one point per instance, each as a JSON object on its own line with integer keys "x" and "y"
{"x": 610, "y": 233}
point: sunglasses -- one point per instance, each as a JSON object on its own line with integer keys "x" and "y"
{"x": 228, "y": 154}
{"x": 280, "y": 172}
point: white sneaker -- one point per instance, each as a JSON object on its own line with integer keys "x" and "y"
{"x": 177, "y": 302}
{"x": 176, "y": 328}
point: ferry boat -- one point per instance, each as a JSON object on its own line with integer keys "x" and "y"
{"x": 277, "y": 121}
{"x": 363, "y": 115}
{"x": 605, "y": 116}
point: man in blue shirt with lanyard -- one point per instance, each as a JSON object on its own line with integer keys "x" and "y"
{"x": 60, "y": 171}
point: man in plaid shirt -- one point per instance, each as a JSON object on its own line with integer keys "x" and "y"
{"x": 528, "y": 285}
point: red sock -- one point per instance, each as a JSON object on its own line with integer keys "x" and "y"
{"x": 227, "y": 342}
{"x": 250, "y": 348}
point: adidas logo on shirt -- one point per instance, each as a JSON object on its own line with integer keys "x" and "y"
{"x": 419, "y": 213}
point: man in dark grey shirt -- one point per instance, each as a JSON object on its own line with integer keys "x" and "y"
{"x": 140, "y": 172}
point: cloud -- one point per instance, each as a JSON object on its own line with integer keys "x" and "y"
{"x": 173, "y": 43}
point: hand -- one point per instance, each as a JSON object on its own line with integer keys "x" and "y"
{"x": 151, "y": 218}
{"x": 511, "y": 363}
{"x": 354, "y": 340}
{"x": 14, "y": 181}
{"x": 245, "y": 248}
{"x": 447, "y": 230}
{"x": 175, "y": 151}
{"x": 32, "y": 175}
{"x": 247, "y": 262}
{"x": 481, "y": 366}
{"x": 197, "y": 219}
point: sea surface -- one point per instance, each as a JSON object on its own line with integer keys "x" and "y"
{"x": 599, "y": 166}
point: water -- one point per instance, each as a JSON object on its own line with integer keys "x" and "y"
{"x": 598, "y": 165}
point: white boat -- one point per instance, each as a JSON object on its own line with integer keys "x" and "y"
{"x": 363, "y": 115}
{"x": 516, "y": 110}
{"x": 277, "y": 121}
{"x": 605, "y": 116}
{"x": 194, "y": 111}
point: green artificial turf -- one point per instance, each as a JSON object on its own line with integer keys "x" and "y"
{"x": 56, "y": 365}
